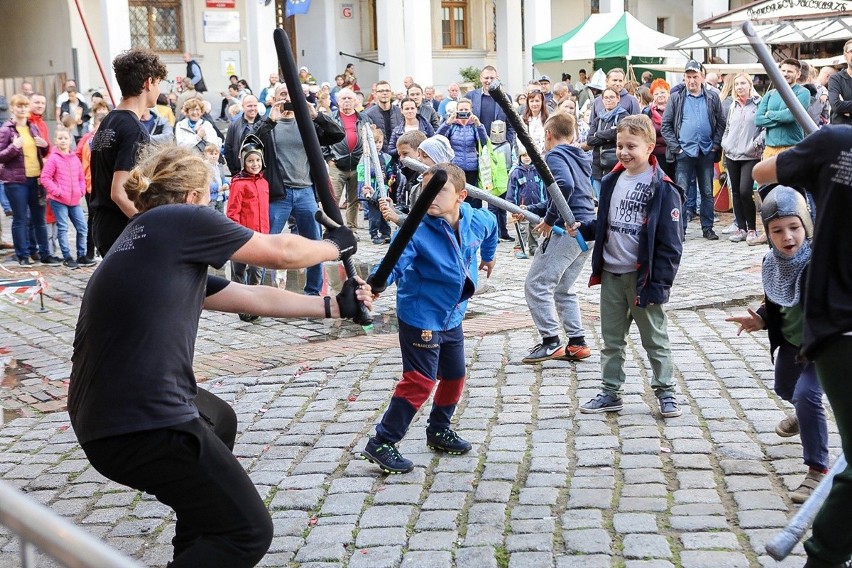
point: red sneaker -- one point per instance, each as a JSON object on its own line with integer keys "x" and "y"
{"x": 576, "y": 352}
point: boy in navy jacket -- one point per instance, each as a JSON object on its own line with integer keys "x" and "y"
{"x": 435, "y": 276}
{"x": 526, "y": 188}
{"x": 636, "y": 256}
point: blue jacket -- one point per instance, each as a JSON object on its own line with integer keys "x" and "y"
{"x": 525, "y": 186}
{"x": 660, "y": 243}
{"x": 571, "y": 168}
{"x": 465, "y": 141}
{"x": 475, "y": 97}
{"x": 436, "y": 275}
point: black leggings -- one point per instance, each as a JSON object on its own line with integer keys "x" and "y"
{"x": 221, "y": 519}
{"x": 742, "y": 185}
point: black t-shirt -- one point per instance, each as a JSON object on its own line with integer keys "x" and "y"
{"x": 115, "y": 147}
{"x": 135, "y": 338}
{"x": 822, "y": 164}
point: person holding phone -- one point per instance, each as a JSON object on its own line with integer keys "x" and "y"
{"x": 291, "y": 189}
{"x": 466, "y": 135}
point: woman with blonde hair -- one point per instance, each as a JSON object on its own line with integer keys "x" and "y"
{"x": 743, "y": 145}
{"x": 193, "y": 131}
{"x": 133, "y": 400}
{"x": 22, "y": 153}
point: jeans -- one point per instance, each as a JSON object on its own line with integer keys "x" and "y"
{"x": 301, "y": 203}
{"x": 379, "y": 228}
{"x": 618, "y": 310}
{"x": 702, "y": 168}
{"x": 221, "y": 519}
{"x": 63, "y": 213}
{"x": 742, "y": 191}
{"x": 27, "y": 208}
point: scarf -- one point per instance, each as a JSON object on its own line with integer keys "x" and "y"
{"x": 608, "y": 116}
{"x": 782, "y": 275}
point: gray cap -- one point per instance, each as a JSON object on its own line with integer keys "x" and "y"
{"x": 693, "y": 65}
{"x": 784, "y": 201}
{"x": 438, "y": 148}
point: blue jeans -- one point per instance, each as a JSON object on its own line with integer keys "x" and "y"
{"x": 75, "y": 213}
{"x": 702, "y": 168}
{"x": 26, "y": 208}
{"x": 800, "y": 386}
{"x": 501, "y": 218}
{"x": 378, "y": 226}
{"x": 300, "y": 202}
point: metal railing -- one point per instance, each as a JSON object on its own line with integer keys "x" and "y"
{"x": 39, "y": 527}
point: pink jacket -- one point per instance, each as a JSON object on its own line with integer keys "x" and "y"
{"x": 62, "y": 177}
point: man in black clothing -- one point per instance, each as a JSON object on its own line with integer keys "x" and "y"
{"x": 238, "y": 129}
{"x": 117, "y": 142}
{"x": 840, "y": 90}
{"x": 383, "y": 114}
{"x": 193, "y": 73}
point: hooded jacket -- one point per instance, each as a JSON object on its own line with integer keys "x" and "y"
{"x": 465, "y": 141}
{"x": 62, "y": 177}
{"x": 660, "y": 242}
{"x": 571, "y": 169}
{"x": 743, "y": 140}
{"x": 437, "y": 272}
{"x": 248, "y": 202}
{"x": 12, "y": 169}
{"x": 525, "y": 186}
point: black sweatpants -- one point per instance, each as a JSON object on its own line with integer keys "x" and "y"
{"x": 221, "y": 519}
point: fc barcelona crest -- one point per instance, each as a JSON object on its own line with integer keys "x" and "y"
{"x": 426, "y": 335}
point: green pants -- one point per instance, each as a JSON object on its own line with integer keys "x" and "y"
{"x": 831, "y": 543}
{"x": 618, "y": 310}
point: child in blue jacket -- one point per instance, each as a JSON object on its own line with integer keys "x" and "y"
{"x": 526, "y": 188}
{"x": 435, "y": 276}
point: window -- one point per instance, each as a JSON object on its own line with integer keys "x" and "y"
{"x": 156, "y": 25}
{"x": 595, "y": 7}
{"x": 454, "y": 24}
{"x": 661, "y": 25}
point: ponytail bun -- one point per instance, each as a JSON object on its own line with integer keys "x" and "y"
{"x": 136, "y": 184}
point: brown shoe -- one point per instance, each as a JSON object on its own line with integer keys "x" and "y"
{"x": 5, "y": 246}
{"x": 788, "y": 427}
{"x": 809, "y": 483}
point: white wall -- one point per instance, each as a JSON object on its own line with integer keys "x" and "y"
{"x": 33, "y": 43}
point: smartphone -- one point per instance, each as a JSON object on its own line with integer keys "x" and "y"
{"x": 463, "y": 114}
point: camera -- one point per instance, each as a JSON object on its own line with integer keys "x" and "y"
{"x": 463, "y": 114}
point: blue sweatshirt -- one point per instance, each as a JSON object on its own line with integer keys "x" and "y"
{"x": 571, "y": 168}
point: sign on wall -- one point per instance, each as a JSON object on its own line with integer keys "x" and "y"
{"x": 230, "y": 63}
{"x": 221, "y": 27}
{"x": 347, "y": 11}
{"x": 222, "y": 4}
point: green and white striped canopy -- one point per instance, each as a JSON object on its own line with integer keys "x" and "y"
{"x": 604, "y": 35}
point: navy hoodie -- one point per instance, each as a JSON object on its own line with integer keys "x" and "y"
{"x": 571, "y": 168}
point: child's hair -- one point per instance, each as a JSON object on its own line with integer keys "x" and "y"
{"x": 61, "y": 129}
{"x": 69, "y": 121}
{"x": 100, "y": 105}
{"x": 378, "y": 135}
{"x": 211, "y": 149}
{"x": 455, "y": 174}
{"x": 639, "y": 125}
{"x": 413, "y": 138}
{"x": 164, "y": 175}
{"x": 561, "y": 126}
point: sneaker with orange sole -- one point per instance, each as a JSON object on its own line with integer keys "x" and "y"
{"x": 576, "y": 353}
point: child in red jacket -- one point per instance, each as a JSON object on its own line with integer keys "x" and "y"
{"x": 248, "y": 205}
{"x": 62, "y": 177}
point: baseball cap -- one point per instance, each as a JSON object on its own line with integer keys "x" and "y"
{"x": 544, "y": 78}
{"x": 693, "y": 65}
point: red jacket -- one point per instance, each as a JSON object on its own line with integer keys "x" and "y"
{"x": 248, "y": 203}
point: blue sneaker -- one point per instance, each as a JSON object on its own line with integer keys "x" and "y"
{"x": 603, "y": 402}
{"x": 448, "y": 441}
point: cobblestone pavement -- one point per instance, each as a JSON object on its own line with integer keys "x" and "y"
{"x": 544, "y": 485}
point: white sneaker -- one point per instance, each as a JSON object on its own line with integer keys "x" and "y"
{"x": 738, "y": 236}
{"x": 732, "y": 228}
